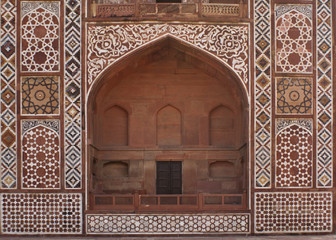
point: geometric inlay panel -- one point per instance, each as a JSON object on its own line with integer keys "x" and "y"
{"x": 40, "y": 154}
{"x": 293, "y": 212}
{"x": 167, "y": 224}
{"x": 40, "y": 43}
{"x": 41, "y": 213}
{"x": 72, "y": 95}
{"x": 228, "y": 43}
{"x": 8, "y": 145}
{"x": 294, "y": 153}
{"x": 324, "y": 94}
{"x": 294, "y": 95}
{"x": 294, "y": 38}
{"x": 262, "y": 94}
{"x": 40, "y": 95}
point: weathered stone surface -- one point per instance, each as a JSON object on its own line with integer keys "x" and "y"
{"x": 147, "y": 9}
{"x": 168, "y": 8}
{"x": 189, "y": 8}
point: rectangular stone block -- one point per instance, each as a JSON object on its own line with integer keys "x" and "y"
{"x": 147, "y": 9}
{"x": 168, "y": 8}
{"x": 189, "y": 8}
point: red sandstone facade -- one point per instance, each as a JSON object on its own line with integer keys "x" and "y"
{"x": 144, "y": 117}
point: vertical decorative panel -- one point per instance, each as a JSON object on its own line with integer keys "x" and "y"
{"x": 324, "y": 88}
{"x": 294, "y": 153}
{"x": 262, "y": 93}
{"x": 8, "y": 168}
{"x": 294, "y": 38}
{"x": 41, "y": 213}
{"x": 40, "y": 154}
{"x": 72, "y": 95}
{"x": 40, "y": 43}
{"x": 40, "y": 95}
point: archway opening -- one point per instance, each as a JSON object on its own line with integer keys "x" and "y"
{"x": 170, "y": 124}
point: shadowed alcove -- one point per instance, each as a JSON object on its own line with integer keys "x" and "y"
{"x": 168, "y": 131}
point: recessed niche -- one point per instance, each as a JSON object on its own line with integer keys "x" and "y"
{"x": 114, "y": 128}
{"x": 222, "y": 169}
{"x": 169, "y": 126}
{"x": 221, "y": 126}
{"x": 167, "y": 105}
{"x": 115, "y": 169}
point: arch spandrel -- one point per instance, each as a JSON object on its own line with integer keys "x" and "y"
{"x": 108, "y": 44}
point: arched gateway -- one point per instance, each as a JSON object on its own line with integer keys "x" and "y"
{"x": 167, "y": 132}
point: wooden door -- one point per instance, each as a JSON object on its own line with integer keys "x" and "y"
{"x": 169, "y": 177}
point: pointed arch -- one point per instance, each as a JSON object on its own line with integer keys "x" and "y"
{"x": 169, "y": 126}
{"x": 221, "y": 67}
{"x": 222, "y": 126}
{"x": 294, "y": 156}
{"x": 41, "y": 167}
{"x": 113, "y": 127}
{"x": 168, "y": 89}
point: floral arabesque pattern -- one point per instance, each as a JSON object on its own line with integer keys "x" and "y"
{"x": 106, "y": 44}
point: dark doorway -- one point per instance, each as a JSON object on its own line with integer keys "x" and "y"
{"x": 169, "y": 177}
